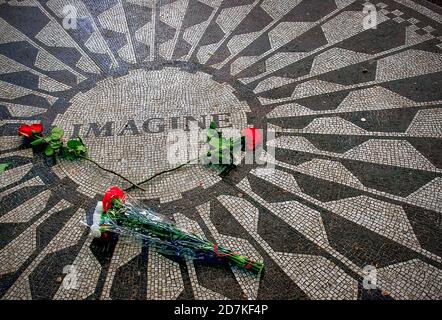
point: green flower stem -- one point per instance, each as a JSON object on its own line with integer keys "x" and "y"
{"x": 113, "y": 172}
{"x": 74, "y": 149}
{"x": 173, "y": 237}
{"x": 173, "y": 169}
{"x": 160, "y": 173}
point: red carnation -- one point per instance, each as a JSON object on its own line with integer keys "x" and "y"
{"x": 112, "y": 193}
{"x": 253, "y": 138}
{"x": 29, "y": 130}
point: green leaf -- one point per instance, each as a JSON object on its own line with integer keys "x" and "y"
{"x": 57, "y": 135}
{"x": 211, "y": 133}
{"x": 37, "y": 142}
{"x": 57, "y": 130}
{"x": 49, "y": 151}
{"x": 76, "y": 147}
{"x": 5, "y": 166}
{"x": 70, "y": 156}
{"x": 212, "y": 125}
{"x": 215, "y": 143}
{"x": 55, "y": 145}
{"x": 74, "y": 144}
{"x": 220, "y": 144}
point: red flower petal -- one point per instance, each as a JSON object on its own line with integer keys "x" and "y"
{"x": 112, "y": 193}
{"x": 253, "y": 138}
{"x": 25, "y": 130}
{"x": 37, "y": 128}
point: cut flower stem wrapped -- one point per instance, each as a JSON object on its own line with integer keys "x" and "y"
{"x": 131, "y": 219}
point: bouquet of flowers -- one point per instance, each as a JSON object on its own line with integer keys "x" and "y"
{"x": 127, "y": 217}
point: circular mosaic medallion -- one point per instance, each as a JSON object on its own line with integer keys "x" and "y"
{"x": 133, "y": 124}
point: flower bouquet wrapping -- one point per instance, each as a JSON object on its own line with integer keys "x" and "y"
{"x": 118, "y": 214}
{"x": 221, "y": 154}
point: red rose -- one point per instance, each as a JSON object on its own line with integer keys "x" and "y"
{"x": 25, "y": 130}
{"x": 112, "y": 193}
{"x": 253, "y": 138}
{"x": 29, "y": 130}
{"x": 37, "y": 128}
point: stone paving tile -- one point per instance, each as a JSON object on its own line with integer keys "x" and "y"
{"x": 354, "y": 132}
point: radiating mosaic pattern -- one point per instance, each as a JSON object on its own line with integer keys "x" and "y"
{"x": 357, "y": 147}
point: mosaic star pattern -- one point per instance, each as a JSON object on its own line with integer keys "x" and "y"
{"x": 356, "y": 145}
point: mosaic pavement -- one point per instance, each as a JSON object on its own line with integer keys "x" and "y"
{"x": 357, "y": 149}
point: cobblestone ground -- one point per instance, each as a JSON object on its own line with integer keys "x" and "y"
{"x": 357, "y": 147}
